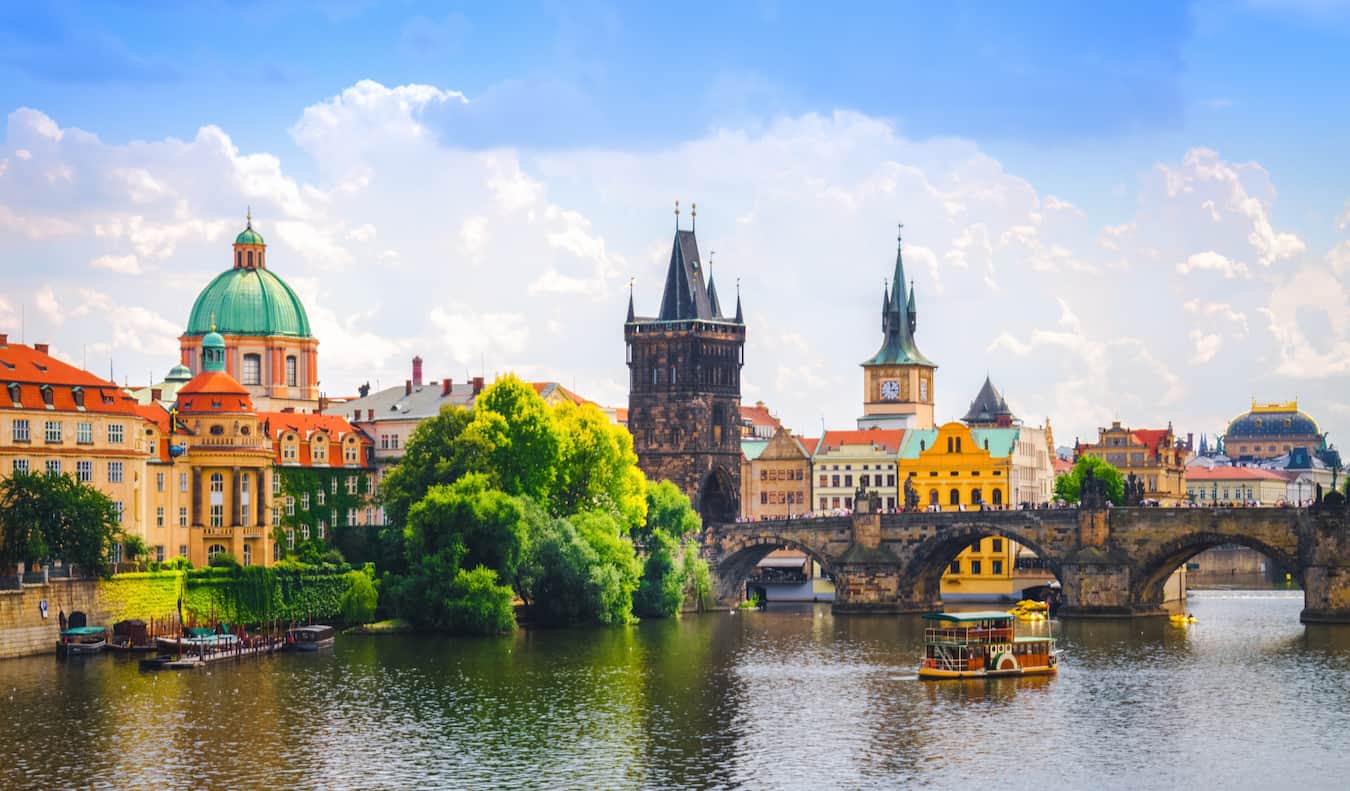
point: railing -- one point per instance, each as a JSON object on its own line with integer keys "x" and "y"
{"x": 218, "y": 532}
{"x": 253, "y": 532}
{"x": 998, "y": 635}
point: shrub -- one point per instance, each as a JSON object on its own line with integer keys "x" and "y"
{"x": 478, "y": 605}
{"x": 359, "y": 601}
{"x": 224, "y": 560}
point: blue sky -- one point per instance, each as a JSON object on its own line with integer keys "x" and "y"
{"x": 1079, "y": 108}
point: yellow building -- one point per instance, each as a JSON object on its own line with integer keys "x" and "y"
{"x": 228, "y": 458}
{"x": 60, "y": 419}
{"x": 1153, "y": 455}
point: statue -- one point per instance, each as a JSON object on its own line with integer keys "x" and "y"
{"x": 1091, "y": 491}
{"x": 911, "y": 495}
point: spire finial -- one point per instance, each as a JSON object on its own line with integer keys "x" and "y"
{"x": 248, "y": 218}
{"x": 677, "y": 215}
{"x": 213, "y": 321}
{"x": 693, "y": 213}
{"x": 900, "y": 231}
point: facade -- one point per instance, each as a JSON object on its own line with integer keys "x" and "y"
{"x": 1236, "y": 486}
{"x": 958, "y": 468}
{"x": 269, "y": 348}
{"x": 228, "y": 460}
{"x": 983, "y": 570}
{"x": 846, "y": 462}
{"x": 898, "y": 380}
{"x": 324, "y": 479}
{"x": 775, "y": 477}
{"x": 684, "y": 390}
{"x": 1271, "y": 430}
{"x": 1154, "y": 455}
{"x": 60, "y": 419}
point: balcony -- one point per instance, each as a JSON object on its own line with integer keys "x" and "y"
{"x": 218, "y": 532}
{"x": 254, "y": 531}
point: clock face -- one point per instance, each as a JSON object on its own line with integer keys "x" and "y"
{"x": 890, "y": 389}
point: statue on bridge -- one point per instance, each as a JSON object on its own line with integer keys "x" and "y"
{"x": 1091, "y": 491}
{"x": 911, "y": 495}
{"x": 1134, "y": 490}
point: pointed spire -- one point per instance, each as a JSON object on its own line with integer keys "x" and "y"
{"x": 248, "y": 217}
{"x": 898, "y": 293}
{"x": 898, "y": 345}
{"x": 713, "y": 304}
{"x": 740, "y": 317}
{"x": 913, "y": 312}
{"x": 885, "y": 306}
{"x": 631, "y": 314}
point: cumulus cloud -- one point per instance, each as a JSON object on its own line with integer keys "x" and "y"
{"x": 1212, "y": 261}
{"x": 124, "y": 264}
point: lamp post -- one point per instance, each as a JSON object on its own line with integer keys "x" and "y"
{"x": 1300, "y": 491}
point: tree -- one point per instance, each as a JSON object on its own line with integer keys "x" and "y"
{"x": 1068, "y": 485}
{"x": 478, "y": 605}
{"x": 668, "y": 510}
{"x": 441, "y": 450}
{"x": 133, "y": 547}
{"x": 564, "y": 581}
{"x": 597, "y": 468}
{"x": 45, "y": 517}
{"x": 661, "y": 589}
{"x": 360, "y": 599}
{"x": 477, "y": 525}
{"x": 525, "y": 446}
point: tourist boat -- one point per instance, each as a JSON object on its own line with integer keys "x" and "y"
{"x": 310, "y": 638}
{"x": 982, "y": 645}
{"x": 78, "y": 640}
{"x": 198, "y": 640}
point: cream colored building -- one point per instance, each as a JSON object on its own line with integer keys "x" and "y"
{"x": 846, "y": 461}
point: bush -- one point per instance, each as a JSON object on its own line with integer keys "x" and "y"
{"x": 697, "y": 578}
{"x": 359, "y": 601}
{"x": 478, "y": 605}
{"x": 224, "y": 560}
{"x": 661, "y": 590}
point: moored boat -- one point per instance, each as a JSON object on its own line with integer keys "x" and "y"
{"x": 79, "y": 640}
{"x": 198, "y": 640}
{"x": 310, "y": 638}
{"x": 983, "y": 645}
{"x": 131, "y": 636}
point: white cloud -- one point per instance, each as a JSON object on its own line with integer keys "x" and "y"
{"x": 1206, "y": 345}
{"x": 467, "y": 335}
{"x": 362, "y": 233}
{"x": 1212, "y": 261}
{"x": 122, "y": 264}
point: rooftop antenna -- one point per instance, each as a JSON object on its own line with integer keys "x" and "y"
{"x": 677, "y": 215}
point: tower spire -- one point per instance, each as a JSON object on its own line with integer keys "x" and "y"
{"x": 631, "y": 314}
{"x": 677, "y": 215}
{"x": 913, "y": 312}
{"x": 740, "y": 317}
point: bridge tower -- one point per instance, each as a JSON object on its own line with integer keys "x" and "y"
{"x": 684, "y": 386}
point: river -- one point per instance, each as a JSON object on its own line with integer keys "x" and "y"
{"x": 788, "y": 698}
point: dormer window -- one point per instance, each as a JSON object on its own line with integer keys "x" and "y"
{"x": 78, "y": 393}
{"x": 14, "y": 391}
{"x": 47, "y": 395}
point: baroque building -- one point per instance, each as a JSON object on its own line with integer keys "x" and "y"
{"x": 898, "y": 379}
{"x": 1152, "y": 455}
{"x": 1268, "y": 431}
{"x": 684, "y": 391}
{"x": 269, "y": 348}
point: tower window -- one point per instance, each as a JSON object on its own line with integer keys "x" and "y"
{"x": 250, "y": 258}
{"x": 290, "y": 371}
{"x": 252, "y": 369}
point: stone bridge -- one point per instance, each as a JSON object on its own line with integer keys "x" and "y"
{"x": 1111, "y": 562}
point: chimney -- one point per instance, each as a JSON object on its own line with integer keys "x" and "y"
{"x": 40, "y": 348}
{"x": 477, "y": 385}
{"x": 446, "y": 386}
{"x": 407, "y": 387}
{"x": 417, "y": 372}
{"x": 4, "y": 340}
{"x": 370, "y": 414}
{"x": 156, "y": 394}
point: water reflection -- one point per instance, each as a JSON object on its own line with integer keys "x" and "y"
{"x": 787, "y": 697}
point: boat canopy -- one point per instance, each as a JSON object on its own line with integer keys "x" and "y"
{"x": 83, "y": 631}
{"x": 965, "y": 617}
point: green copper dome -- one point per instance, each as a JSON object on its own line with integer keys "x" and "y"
{"x": 248, "y": 302}
{"x": 249, "y": 236}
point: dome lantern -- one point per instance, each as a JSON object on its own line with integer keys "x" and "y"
{"x": 249, "y": 247}
{"x": 213, "y": 352}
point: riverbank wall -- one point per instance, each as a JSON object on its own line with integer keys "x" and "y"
{"x": 251, "y": 595}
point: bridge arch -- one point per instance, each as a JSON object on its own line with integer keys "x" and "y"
{"x": 931, "y": 558}
{"x": 1152, "y": 571}
{"x": 740, "y": 557}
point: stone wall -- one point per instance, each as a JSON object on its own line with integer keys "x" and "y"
{"x": 24, "y": 632}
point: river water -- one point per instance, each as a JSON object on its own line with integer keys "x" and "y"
{"x": 791, "y": 697}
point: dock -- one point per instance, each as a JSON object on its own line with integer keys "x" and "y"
{"x": 195, "y": 657}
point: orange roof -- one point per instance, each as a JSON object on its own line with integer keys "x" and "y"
{"x": 1060, "y": 465}
{"x": 1234, "y": 474}
{"x": 338, "y": 429}
{"x": 154, "y": 413}
{"x": 887, "y": 439}
{"x": 1150, "y": 438}
{"x": 621, "y": 414}
{"x": 40, "y": 376}
{"x": 214, "y": 391}
{"x": 306, "y": 424}
{"x": 544, "y": 388}
{"x": 759, "y": 415}
{"x": 809, "y": 443}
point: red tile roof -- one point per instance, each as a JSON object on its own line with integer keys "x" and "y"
{"x": 1150, "y": 438}
{"x": 1235, "y": 474}
{"x": 759, "y": 415}
{"x": 1060, "y": 465}
{"x": 887, "y": 439}
{"x": 809, "y": 443}
{"x": 32, "y": 369}
{"x": 306, "y": 425}
{"x": 214, "y": 391}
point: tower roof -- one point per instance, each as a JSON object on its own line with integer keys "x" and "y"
{"x": 248, "y": 235}
{"x": 988, "y": 405}
{"x": 898, "y": 347}
{"x": 248, "y": 302}
{"x": 686, "y": 295}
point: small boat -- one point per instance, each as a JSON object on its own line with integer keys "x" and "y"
{"x": 80, "y": 640}
{"x": 130, "y": 636}
{"x": 983, "y": 645}
{"x": 1181, "y": 619}
{"x": 198, "y": 640}
{"x": 310, "y": 638}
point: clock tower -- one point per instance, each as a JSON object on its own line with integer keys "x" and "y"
{"x": 898, "y": 379}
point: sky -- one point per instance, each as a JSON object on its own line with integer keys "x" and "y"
{"x": 1137, "y": 214}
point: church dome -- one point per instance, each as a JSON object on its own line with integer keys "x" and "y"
{"x": 1273, "y": 420}
{"x": 248, "y": 302}
{"x": 249, "y": 236}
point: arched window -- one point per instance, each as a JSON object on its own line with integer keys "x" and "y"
{"x": 217, "y": 482}
{"x": 238, "y": 258}
{"x": 950, "y": 445}
{"x": 956, "y": 497}
{"x": 250, "y": 258}
{"x": 958, "y": 444}
{"x": 718, "y": 418}
{"x": 215, "y": 549}
{"x": 252, "y": 369}
{"x": 976, "y": 496}
{"x": 998, "y": 497}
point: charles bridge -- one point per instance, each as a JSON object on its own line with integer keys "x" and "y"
{"x": 1111, "y": 562}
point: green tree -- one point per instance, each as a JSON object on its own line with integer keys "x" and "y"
{"x": 597, "y": 468}
{"x": 661, "y": 589}
{"x": 360, "y": 599}
{"x": 669, "y": 511}
{"x": 563, "y": 581}
{"x": 697, "y": 577}
{"x": 1068, "y": 485}
{"x": 478, "y": 605}
{"x": 133, "y": 547}
{"x": 478, "y": 525}
{"x": 440, "y": 450}
{"x": 525, "y": 446}
{"x": 46, "y": 517}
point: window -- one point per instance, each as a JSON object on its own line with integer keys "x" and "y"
{"x": 351, "y": 484}
{"x": 21, "y": 465}
{"x": 998, "y": 497}
{"x": 866, "y": 480}
{"x": 290, "y": 506}
{"x": 824, "y": 480}
{"x": 117, "y": 509}
{"x": 252, "y": 369}
{"x": 84, "y": 471}
{"x": 304, "y": 501}
{"x": 384, "y": 442}
{"x": 159, "y": 518}
{"x": 997, "y": 545}
{"x": 53, "y": 466}
{"x": 182, "y": 550}
{"x": 116, "y": 433}
{"x": 84, "y": 433}
{"x": 114, "y": 472}
{"x": 848, "y": 502}
{"x": 976, "y": 497}
{"x": 159, "y": 481}
{"x": 290, "y": 539}
{"x": 955, "y": 497}
{"x": 182, "y": 482}
{"x": 834, "y": 502}
{"x": 182, "y": 518}
{"x": 52, "y": 430}
{"x": 319, "y": 497}
{"x": 351, "y": 517}
{"x": 276, "y": 485}
{"x": 322, "y": 525}
{"x": 289, "y": 452}
{"x": 848, "y": 480}
{"x": 304, "y": 532}
{"x": 369, "y": 515}
{"x": 290, "y": 371}
{"x": 19, "y": 429}
{"x": 320, "y": 451}
{"x": 996, "y": 567}
{"x": 824, "y": 504}
{"x": 115, "y": 553}
{"x": 214, "y": 549}
{"x": 217, "y": 482}
{"x": 393, "y": 441}
{"x": 763, "y": 498}
{"x": 332, "y": 484}
{"x": 890, "y": 480}
{"x": 159, "y": 553}
{"x": 834, "y": 480}
{"x": 248, "y": 555}
{"x": 955, "y": 567}
{"x": 217, "y": 515}
{"x": 975, "y": 567}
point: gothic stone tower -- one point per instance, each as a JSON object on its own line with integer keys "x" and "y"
{"x": 684, "y": 391}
